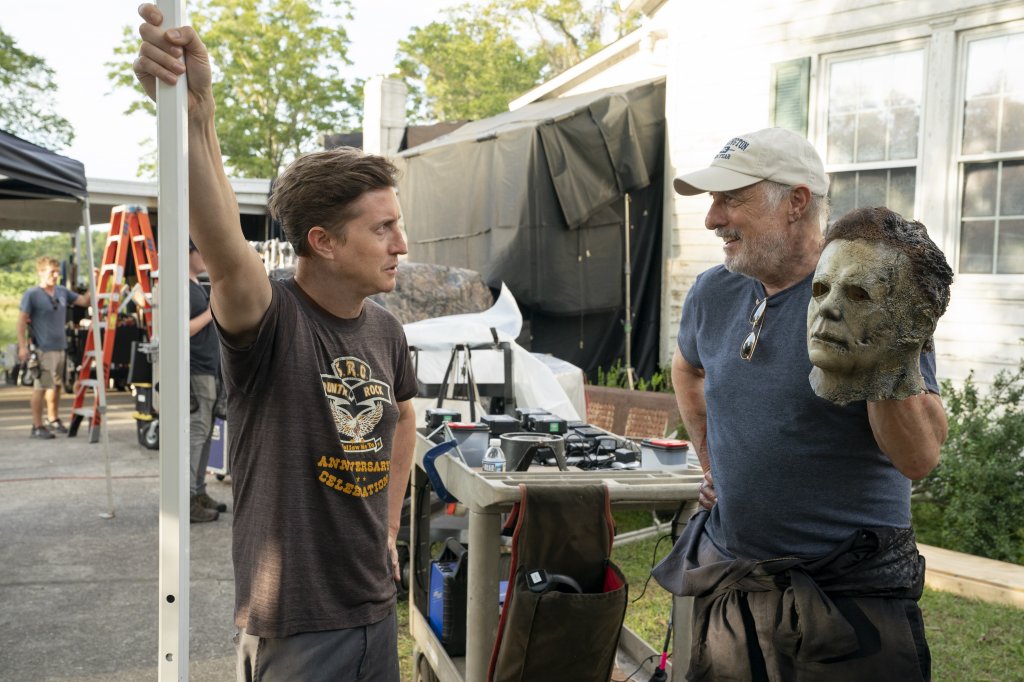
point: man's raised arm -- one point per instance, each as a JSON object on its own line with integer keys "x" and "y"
{"x": 240, "y": 289}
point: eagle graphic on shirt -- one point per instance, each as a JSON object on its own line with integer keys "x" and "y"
{"x": 357, "y": 403}
{"x": 358, "y": 426}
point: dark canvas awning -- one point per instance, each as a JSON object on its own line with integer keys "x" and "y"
{"x": 39, "y": 189}
{"x": 533, "y": 197}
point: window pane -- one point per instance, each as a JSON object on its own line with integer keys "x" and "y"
{"x": 841, "y": 130}
{"x": 1011, "y": 198}
{"x": 874, "y": 108}
{"x": 901, "y": 191}
{"x": 870, "y": 137}
{"x": 1015, "y": 58}
{"x": 875, "y": 82}
{"x": 1011, "y": 247}
{"x": 904, "y": 75}
{"x": 980, "y": 190}
{"x": 976, "y": 241}
{"x": 842, "y": 192}
{"x": 905, "y": 122}
{"x": 894, "y": 189}
{"x": 992, "y": 227}
{"x": 1013, "y": 123}
{"x": 985, "y": 67}
{"x": 843, "y": 88}
{"x": 994, "y": 104}
{"x": 981, "y": 117}
{"x": 871, "y": 190}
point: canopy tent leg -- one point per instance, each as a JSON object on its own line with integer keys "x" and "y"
{"x": 97, "y": 344}
{"x": 628, "y": 273}
{"x": 172, "y": 334}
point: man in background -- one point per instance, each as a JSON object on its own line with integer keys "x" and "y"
{"x": 204, "y": 366}
{"x": 41, "y": 323}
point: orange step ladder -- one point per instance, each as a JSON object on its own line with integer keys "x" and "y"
{"x": 129, "y": 230}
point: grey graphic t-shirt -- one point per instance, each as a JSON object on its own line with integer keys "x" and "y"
{"x": 312, "y": 409}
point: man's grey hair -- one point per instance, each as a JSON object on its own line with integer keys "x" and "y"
{"x": 775, "y": 193}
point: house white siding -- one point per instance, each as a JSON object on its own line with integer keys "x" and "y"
{"x": 720, "y": 58}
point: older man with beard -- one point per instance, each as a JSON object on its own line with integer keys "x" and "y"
{"x": 802, "y": 560}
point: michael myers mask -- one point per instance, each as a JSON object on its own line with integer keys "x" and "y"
{"x": 869, "y": 317}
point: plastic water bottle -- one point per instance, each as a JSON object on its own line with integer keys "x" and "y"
{"x": 494, "y": 458}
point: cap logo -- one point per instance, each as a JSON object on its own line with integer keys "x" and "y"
{"x": 737, "y": 142}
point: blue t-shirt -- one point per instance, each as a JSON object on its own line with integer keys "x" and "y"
{"x": 795, "y": 474}
{"x": 48, "y": 315}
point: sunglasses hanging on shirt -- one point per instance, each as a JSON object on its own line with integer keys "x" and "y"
{"x": 756, "y": 323}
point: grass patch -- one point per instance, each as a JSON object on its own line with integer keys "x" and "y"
{"x": 405, "y": 641}
{"x": 969, "y": 639}
{"x": 9, "y": 319}
{"x": 973, "y": 640}
{"x": 648, "y": 611}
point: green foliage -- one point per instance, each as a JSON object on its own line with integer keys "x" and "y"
{"x": 18, "y": 256}
{"x": 973, "y": 501}
{"x": 569, "y": 31}
{"x": 18, "y": 272}
{"x": 477, "y": 59}
{"x": 466, "y": 67}
{"x": 276, "y": 77}
{"x": 26, "y": 107}
{"x": 660, "y": 380}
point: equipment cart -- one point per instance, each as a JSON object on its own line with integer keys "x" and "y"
{"x": 487, "y": 496}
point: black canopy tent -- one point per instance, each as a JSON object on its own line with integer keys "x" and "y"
{"x": 534, "y": 198}
{"x": 39, "y": 189}
{"x": 42, "y": 190}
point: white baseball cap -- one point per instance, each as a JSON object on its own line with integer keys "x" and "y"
{"x": 775, "y": 154}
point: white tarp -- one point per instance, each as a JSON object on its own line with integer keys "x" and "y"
{"x": 535, "y": 383}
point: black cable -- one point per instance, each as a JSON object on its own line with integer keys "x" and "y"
{"x": 675, "y": 521}
{"x": 638, "y": 669}
{"x": 654, "y": 557}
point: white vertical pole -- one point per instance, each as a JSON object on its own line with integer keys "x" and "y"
{"x": 628, "y": 326}
{"x": 172, "y": 145}
{"x": 97, "y": 344}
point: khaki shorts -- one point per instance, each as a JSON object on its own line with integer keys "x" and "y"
{"x": 51, "y": 370}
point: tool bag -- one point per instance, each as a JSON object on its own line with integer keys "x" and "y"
{"x": 561, "y": 542}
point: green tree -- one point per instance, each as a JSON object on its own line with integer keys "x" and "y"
{"x": 277, "y": 77}
{"x": 466, "y": 66}
{"x": 569, "y": 31}
{"x": 478, "y": 58}
{"x": 26, "y": 108}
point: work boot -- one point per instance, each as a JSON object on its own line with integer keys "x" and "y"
{"x": 41, "y": 432}
{"x": 210, "y": 503}
{"x": 197, "y": 513}
{"x": 55, "y": 426}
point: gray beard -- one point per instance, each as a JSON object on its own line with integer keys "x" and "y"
{"x": 762, "y": 257}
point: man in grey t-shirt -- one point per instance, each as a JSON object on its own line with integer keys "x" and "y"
{"x": 804, "y": 500}
{"x": 320, "y": 394}
{"x": 44, "y": 310}
{"x": 204, "y": 375}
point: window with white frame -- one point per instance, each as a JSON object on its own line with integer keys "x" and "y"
{"x": 872, "y": 130}
{"x": 992, "y": 157}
